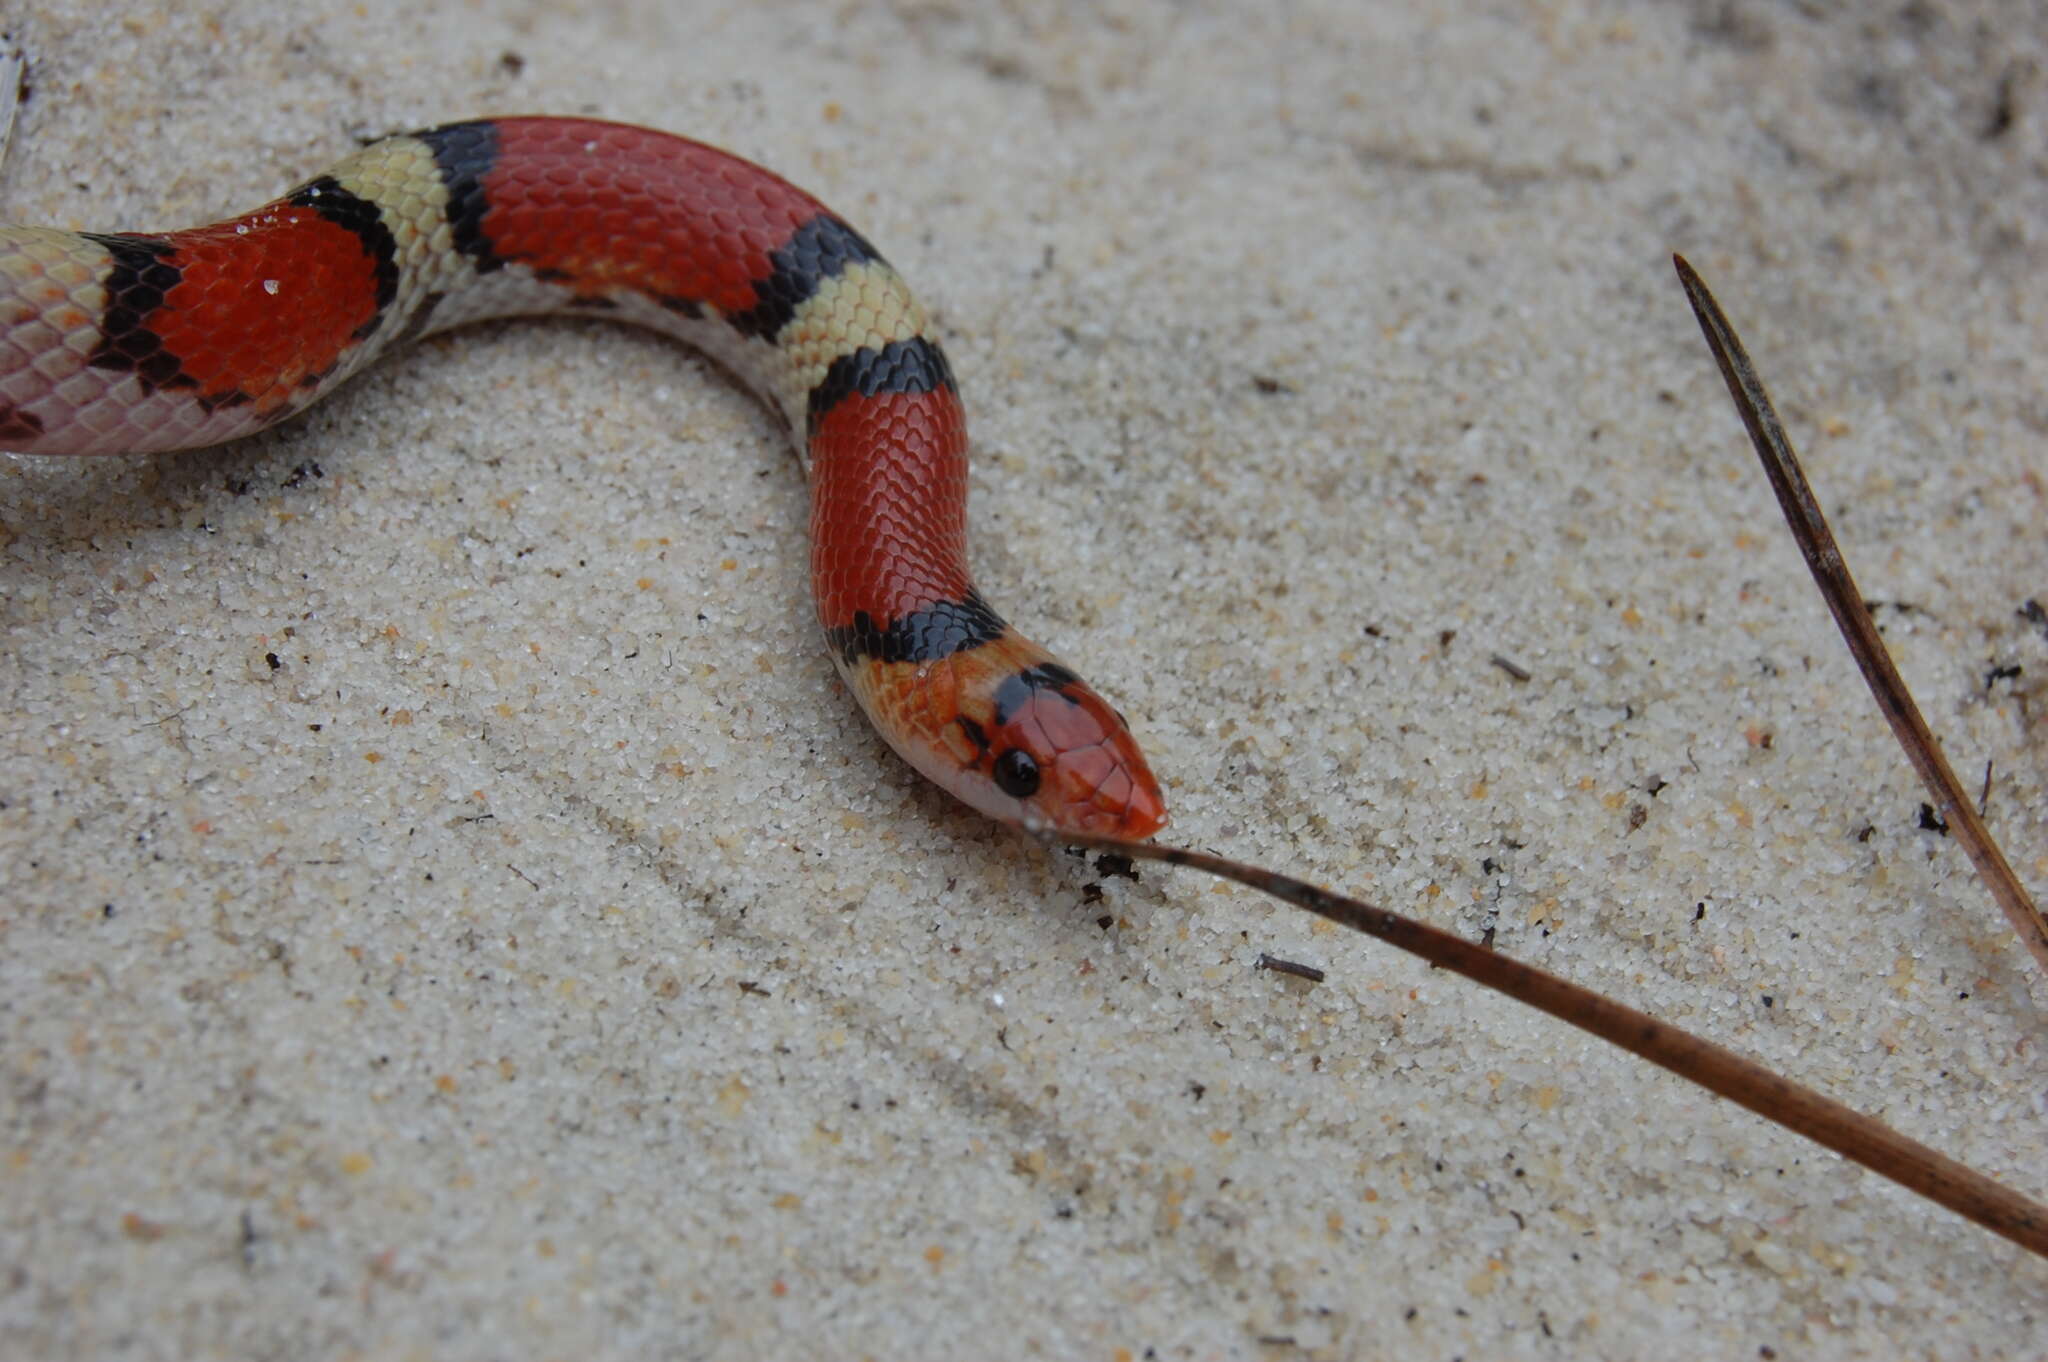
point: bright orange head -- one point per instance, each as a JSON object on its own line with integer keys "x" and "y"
{"x": 1067, "y": 757}
{"x": 1027, "y": 742}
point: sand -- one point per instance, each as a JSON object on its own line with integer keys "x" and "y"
{"x": 452, "y": 910}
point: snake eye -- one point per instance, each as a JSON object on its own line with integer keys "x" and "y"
{"x": 1017, "y": 774}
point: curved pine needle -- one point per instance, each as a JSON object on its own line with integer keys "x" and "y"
{"x": 1831, "y": 574}
{"x": 1799, "y": 1109}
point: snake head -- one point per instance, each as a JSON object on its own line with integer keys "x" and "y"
{"x": 1021, "y": 738}
{"x": 1065, "y": 755}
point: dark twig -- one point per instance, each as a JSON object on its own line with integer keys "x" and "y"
{"x": 1293, "y": 967}
{"x": 1849, "y": 1133}
{"x": 1838, "y": 589}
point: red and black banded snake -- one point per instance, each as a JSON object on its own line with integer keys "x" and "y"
{"x": 133, "y": 343}
{"x": 130, "y": 343}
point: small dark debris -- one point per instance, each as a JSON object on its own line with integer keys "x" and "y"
{"x": 1372, "y": 631}
{"x": 1299, "y": 971}
{"x": 1091, "y": 892}
{"x": 275, "y": 665}
{"x": 1656, "y": 786}
{"x": 1699, "y": 912}
{"x": 1109, "y": 863}
{"x": 1930, "y": 821}
{"x": 1276, "y": 1340}
{"x": 1868, "y": 831}
{"x": 1510, "y": 668}
{"x": 1997, "y": 674}
{"x": 308, "y": 469}
{"x": 1769, "y": 1001}
{"x": 1735, "y": 27}
{"x": 511, "y": 63}
{"x": 1443, "y": 639}
{"x": 2033, "y": 614}
{"x": 1198, "y": 1089}
{"x": 1269, "y": 385}
{"x": 1637, "y": 816}
{"x": 2004, "y": 106}
{"x": 107, "y": 910}
{"x": 1106, "y": 921}
{"x": 749, "y": 986}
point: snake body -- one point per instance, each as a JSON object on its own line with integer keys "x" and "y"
{"x": 137, "y": 343}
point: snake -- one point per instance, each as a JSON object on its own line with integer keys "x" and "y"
{"x": 144, "y": 343}
{"x": 138, "y": 343}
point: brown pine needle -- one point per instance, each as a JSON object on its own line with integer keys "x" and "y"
{"x": 1831, "y": 573}
{"x": 1801, "y": 1110}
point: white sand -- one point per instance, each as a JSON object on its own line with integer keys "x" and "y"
{"x": 543, "y": 959}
